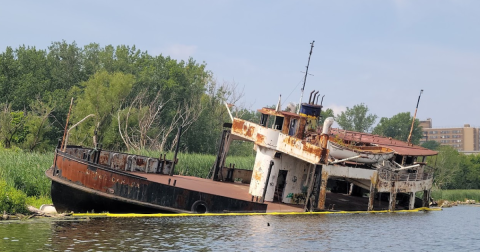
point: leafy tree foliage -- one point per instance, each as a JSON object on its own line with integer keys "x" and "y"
{"x": 11, "y": 125}
{"x": 326, "y": 114}
{"x": 453, "y": 170}
{"x": 432, "y": 145}
{"x": 356, "y": 118}
{"x": 445, "y": 165}
{"x": 96, "y": 77}
{"x": 398, "y": 127}
{"x": 468, "y": 174}
{"x": 102, "y": 95}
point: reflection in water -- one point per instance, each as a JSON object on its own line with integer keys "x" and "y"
{"x": 446, "y": 230}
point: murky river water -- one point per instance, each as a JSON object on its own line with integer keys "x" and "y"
{"x": 453, "y": 229}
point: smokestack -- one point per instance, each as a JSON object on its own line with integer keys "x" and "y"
{"x": 309, "y": 99}
{"x": 315, "y": 95}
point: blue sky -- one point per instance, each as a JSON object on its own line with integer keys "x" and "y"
{"x": 380, "y": 53}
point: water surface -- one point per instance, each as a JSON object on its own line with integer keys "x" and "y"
{"x": 451, "y": 229}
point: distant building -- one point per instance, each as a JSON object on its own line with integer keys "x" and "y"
{"x": 464, "y": 139}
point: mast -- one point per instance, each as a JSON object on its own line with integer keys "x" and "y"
{"x": 413, "y": 121}
{"x": 306, "y": 73}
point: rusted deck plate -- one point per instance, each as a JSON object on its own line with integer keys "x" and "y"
{"x": 231, "y": 190}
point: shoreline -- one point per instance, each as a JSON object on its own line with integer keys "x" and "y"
{"x": 447, "y": 203}
{"x": 36, "y": 213}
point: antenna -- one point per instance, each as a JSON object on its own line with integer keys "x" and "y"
{"x": 306, "y": 73}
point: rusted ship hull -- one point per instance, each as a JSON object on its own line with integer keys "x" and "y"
{"x": 80, "y": 185}
{"x": 67, "y": 199}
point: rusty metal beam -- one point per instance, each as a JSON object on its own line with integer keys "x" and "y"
{"x": 373, "y": 187}
{"x": 323, "y": 191}
{"x": 393, "y": 197}
{"x": 266, "y": 181}
{"x": 221, "y": 155}
{"x": 426, "y": 198}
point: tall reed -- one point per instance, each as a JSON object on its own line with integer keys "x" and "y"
{"x": 456, "y": 195}
{"x": 25, "y": 171}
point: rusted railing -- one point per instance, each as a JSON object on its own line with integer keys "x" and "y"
{"x": 393, "y": 176}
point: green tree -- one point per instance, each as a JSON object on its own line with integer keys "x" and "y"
{"x": 326, "y": 114}
{"x": 468, "y": 174}
{"x": 11, "y": 126}
{"x": 446, "y": 165}
{"x": 62, "y": 70}
{"x": 432, "y": 145}
{"x": 32, "y": 79}
{"x": 65, "y": 65}
{"x": 37, "y": 126}
{"x": 102, "y": 95}
{"x": 9, "y": 72}
{"x": 356, "y": 118}
{"x": 398, "y": 127}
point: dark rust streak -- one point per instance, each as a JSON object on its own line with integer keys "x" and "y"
{"x": 323, "y": 190}
{"x": 260, "y": 139}
{"x": 140, "y": 161}
{"x": 237, "y": 126}
{"x": 312, "y": 149}
{"x": 250, "y": 131}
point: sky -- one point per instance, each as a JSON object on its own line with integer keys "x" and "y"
{"x": 377, "y": 52}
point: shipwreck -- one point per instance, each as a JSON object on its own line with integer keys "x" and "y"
{"x": 300, "y": 165}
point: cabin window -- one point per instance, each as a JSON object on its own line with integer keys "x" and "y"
{"x": 409, "y": 160}
{"x": 293, "y": 127}
{"x": 278, "y": 123}
{"x": 264, "y": 120}
{"x": 399, "y": 159}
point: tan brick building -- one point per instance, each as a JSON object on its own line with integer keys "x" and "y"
{"x": 464, "y": 138}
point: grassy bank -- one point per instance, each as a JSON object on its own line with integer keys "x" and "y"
{"x": 23, "y": 181}
{"x": 456, "y": 195}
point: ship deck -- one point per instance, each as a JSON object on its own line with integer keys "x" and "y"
{"x": 226, "y": 189}
{"x": 334, "y": 201}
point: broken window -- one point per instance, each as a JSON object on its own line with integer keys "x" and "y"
{"x": 293, "y": 127}
{"x": 278, "y": 123}
{"x": 264, "y": 120}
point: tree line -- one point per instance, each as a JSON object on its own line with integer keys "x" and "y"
{"x": 128, "y": 98}
{"x": 397, "y": 127}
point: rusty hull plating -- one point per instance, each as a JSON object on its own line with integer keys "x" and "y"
{"x": 122, "y": 183}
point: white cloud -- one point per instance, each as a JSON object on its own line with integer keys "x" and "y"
{"x": 336, "y": 108}
{"x": 180, "y": 52}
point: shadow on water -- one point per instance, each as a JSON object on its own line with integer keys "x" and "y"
{"x": 450, "y": 229}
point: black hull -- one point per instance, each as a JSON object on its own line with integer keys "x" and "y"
{"x": 68, "y": 199}
{"x": 82, "y": 186}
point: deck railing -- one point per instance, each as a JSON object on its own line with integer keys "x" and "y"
{"x": 394, "y": 176}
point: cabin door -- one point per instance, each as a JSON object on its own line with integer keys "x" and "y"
{"x": 280, "y": 186}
